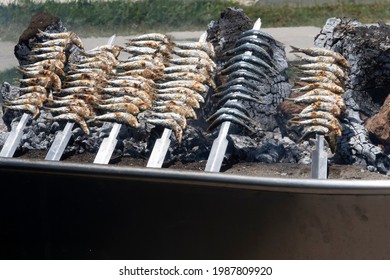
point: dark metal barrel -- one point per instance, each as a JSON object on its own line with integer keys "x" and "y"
{"x": 58, "y": 210}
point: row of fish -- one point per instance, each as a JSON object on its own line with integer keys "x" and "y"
{"x": 162, "y": 82}
{"x": 79, "y": 98}
{"x": 250, "y": 63}
{"x": 322, "y": 84}
{"x": 165, "y": 81}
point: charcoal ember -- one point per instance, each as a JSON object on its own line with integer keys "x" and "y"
{"x": 223, "y": 33}
{"x": 194, "y": 147}
{"x": 37, "y": 135}
{"x": 8, "y": 117}
{"x": 139, "y": 143}
{"x": 355, "y": 147}
{"x": 269, "y": 149}
{"x": 379, "y": 124}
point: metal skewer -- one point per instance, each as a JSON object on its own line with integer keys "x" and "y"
{"x": 14, "y": 137}
{"x": 108, "y": 145}
{"x": 61, "y": 140}
{"x": 161, "y": 146}
{"x": 160, "y": 150}
{"x": 220, "y": 144}
{"x": 319, "y": 160}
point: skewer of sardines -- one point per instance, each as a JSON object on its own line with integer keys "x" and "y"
{"x": 43, "y": 74}
{"x": 131, "y": 88}
{"x": 249, "y": 64}
{"x": 79, "y": 97}
{"x": 186, "y": 78}
{"x": 322, "y": 84}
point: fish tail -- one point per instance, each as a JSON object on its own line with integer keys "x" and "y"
{"x": 298, "y": 56}
{"x": 295, "y": 49}
{"x": 307, "y": 135}
{"x": 36, "y": 114}
{"x": 331, "y": 139}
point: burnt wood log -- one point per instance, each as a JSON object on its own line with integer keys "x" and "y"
{"x": 367, "y": 48}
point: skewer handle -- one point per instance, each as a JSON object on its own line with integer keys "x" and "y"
{"x": 60, "y": 142}
{"x": 160, "y": 149}
{"x": 218, "y": 149}
{"x": 319, "y": 160}
{"x": 14, "y": 137}
{"x": 108, "y": 145}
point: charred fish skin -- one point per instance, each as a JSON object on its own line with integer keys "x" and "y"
{"x": 244, "y": 66}
{"x": 152, "y": 36}
{"x": 234, "y": 104}
{"x": 238, "y": 81}
{"x": 313, "y": 115}
{"x": 333, "y": 125}
{"x": 171, "y": 124}
{"x": 183, "y": 110}
{"x": 145, "y": 43}
{"x": 140, "y": 50}
{"x": 236, "y": 88}
{"x": 228, "y": 118}
{"x": 322, "y": 106}
{"x": 206, "y": 47}
{"x": 191, "y": 53}
{"x": 194, "y": 85}
{"x": 187, "y": 99}
{"x": 250, "y": 59}
{"x": 32, "y": 109}
{"x": 315, "y": 59}
{"x": 119, "y": 117}
{"x": 175, "y": 91}
{"x": 332, "y": 87}
{"x": 84, "y": 112}
{"x": 230, "y": 111}
{"x": 258, "y": 33}
{"x": 311, "y": 99}
{"x": 249, "y": 47}
{"x": 322, "y": 52}
{"x": 322, "y": 73}
{"x": 319, "y": 79}
{"x": 238, "y": 96}
{"x": 243, "y": 73}
{"x": 257, "y": 41}
{"x": 71, "y": 117}
{"x": 178, "y": 118}
{"x": 336, "y": 70}
{"x": 195, "y": 61}
{"x": 119, "y": 107}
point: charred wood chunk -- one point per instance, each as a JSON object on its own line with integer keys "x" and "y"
{"x": 368, "y": 52}
{"x": 223, "y": 33}
{"x": 366, "y": 139}
{"x": 39, "y": 21}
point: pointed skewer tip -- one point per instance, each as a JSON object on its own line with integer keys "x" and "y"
{"x": 257, "y": 24}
